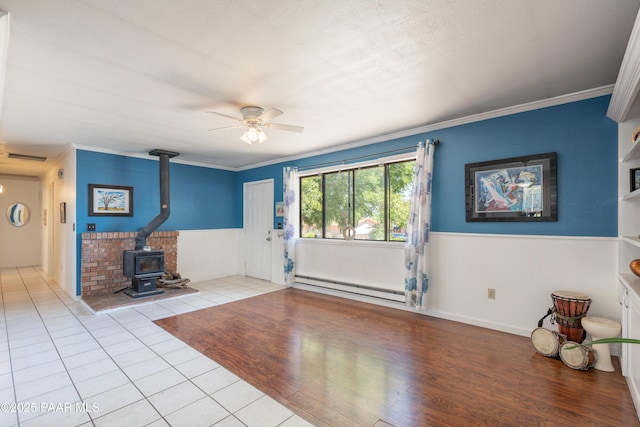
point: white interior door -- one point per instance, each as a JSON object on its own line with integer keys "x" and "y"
{"x": 258, "y": 222}
{"x": 51, "y": 238}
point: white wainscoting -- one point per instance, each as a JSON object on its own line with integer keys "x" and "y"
{"x": 209, "y": 254}
{"x": 375, "y": 264}
{"x": 523, "y": 270}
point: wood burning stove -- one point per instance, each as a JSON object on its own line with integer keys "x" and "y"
{"x": 144, "y": 265}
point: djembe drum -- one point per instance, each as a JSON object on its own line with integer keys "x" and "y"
{"x": 569, "y": 309}
{"x": 547, "y": 342}
{"x": 578, "y": 356}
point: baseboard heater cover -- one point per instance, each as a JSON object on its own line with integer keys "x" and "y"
{"x": 371, "y": 291}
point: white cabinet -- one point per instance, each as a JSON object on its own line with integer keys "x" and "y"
{"x": 630, "y": 356}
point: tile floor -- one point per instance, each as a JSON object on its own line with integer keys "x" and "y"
{"x": 60, "y": 365}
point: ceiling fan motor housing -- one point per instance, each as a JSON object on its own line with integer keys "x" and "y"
{"x": 254, "y": 119}
{"x": 251, "y": 113}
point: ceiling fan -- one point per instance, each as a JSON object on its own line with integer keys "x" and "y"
{"x": 255, "y": 120}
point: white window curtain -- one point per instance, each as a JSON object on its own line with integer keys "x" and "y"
{"x": 291, "y": 221}
{"x": 416, "y": 248}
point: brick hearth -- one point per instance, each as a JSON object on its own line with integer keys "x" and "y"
{"x": 102, "y": 258}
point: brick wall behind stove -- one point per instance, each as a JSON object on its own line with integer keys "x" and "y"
{"x": 101, "y": 270}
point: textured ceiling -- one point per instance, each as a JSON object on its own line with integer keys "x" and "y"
{"x": 133, "y": 75}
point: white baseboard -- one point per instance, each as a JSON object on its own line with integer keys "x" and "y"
{"x": 401, "y": 306}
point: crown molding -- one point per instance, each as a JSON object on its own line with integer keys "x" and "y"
{"x": 628, "y": 82}
{"x": 148, "y": 157}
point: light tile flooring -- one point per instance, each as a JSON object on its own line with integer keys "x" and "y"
{"x": 60, "y": 365}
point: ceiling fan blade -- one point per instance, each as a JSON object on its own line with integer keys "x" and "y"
{"x": 269, "y": 114}
{"x": 225, "y": 115}
{"x": 226, "y": 127}
{"x": 284, "y": 127}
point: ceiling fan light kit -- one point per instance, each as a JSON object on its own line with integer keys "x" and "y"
{"x": 254, "y": 120}
{"x": 254, "y": 134}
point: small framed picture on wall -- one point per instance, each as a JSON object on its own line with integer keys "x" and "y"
{"x": 635, "y": 179}
{"x": 110, "y": 200}
{"x": 63, "y": 212}
{"x": 279, "y": 208}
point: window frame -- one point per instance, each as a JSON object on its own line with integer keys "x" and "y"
{"x": 351, "y": 168}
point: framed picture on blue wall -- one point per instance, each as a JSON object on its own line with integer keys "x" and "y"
{"x": 110, "y": 200}
{"x": 514, "y": 189}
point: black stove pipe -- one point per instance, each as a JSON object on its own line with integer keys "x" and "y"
{"x": 165, "y": 210}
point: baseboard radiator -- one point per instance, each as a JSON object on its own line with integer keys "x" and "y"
{"x": 353, "y": 288}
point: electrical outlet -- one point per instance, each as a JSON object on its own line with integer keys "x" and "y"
{"x": 491, "y": 293}
{"x": 91, "y": 227}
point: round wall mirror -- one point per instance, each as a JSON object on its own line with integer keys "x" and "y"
{"x": 18, "y": 214}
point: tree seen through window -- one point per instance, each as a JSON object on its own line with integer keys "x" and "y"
{"x": 374, "y": 201}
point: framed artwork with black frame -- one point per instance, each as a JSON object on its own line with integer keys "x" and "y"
{"x": 513, "y": 189}
{"x": 634, "y": 175}
{"x": 110, "y": 200}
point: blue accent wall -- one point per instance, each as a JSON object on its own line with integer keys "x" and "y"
{"x": 203, "y": 198}
{"x": 585, "y": 139}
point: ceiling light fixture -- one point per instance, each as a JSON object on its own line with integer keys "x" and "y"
{"x": 254, "y": 134}
{"x": 253, "y": 120}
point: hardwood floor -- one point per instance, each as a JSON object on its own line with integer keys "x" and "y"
{"x": 337, "y": 362}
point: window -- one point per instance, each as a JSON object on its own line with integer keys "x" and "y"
{"x": 400, "y": 185}
{"x": 311, "y": 206}
{"x": 337, "y": 204}
{"x": 369, "y": 203}
{"x": 373, "y": 200}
